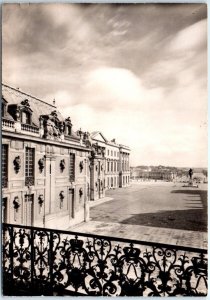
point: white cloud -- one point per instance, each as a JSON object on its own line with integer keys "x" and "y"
{"x": 190, "y": 38}
{"x": 110, "y": 88}
{"x": 157, "y": 124}
{"x": 143, "y": 85}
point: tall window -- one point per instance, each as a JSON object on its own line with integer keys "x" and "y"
{"x": 4, "y": 165}
{"x": 28, "y": 215}
{"x": 72, "y": 167}
{"x": 26, "y": 117}
{"x": 29, "y": 166}
{"x": 108, "y": 166}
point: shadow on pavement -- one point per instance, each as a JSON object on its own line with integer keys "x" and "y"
{"x": 188, "y": 219}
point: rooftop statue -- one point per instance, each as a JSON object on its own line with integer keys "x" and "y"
{"x": 190, "y": 173}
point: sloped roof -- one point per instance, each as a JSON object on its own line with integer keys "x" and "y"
{"x": 38, "y": 106}
{"x": 94, "y": 135}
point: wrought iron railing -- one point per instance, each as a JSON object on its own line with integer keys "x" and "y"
{"x": 39, "y": 261}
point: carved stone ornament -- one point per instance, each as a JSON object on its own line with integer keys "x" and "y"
{"x": 81, "y": 165}
{"x": 68, "y": 120}
{"x": 16, "y": 203}
{"x": 62, "y": 195}
{"x": 62, "y": 165}
{"x": 41, "y": 164}
{"x": 87, "y": 139}
{"x": 17, "y": 164}
{"x": 41, "y": 200}
{"x": 80, "y": 192}
{"x": 52, "y": 126}
{"x": 25, "y": 103}
{"x": 80, "y": 133}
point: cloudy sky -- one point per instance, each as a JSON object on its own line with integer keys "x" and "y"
{"x": 138, "y": 73}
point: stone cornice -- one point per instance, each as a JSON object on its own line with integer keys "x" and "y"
{"x": 65, "y": 144}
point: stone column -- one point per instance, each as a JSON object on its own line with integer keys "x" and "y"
{"x": 86, "y": 200}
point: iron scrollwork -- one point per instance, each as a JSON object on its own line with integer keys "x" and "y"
{"x": 47, "y": 262}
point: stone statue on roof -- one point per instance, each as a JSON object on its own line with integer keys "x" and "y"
{"x": 87, "y": 139}
{"x": 190, "y": 173}
{"x": 51, "y": 130}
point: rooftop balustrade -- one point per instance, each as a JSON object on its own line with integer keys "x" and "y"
{"x": 7, "y": 123}
{"x": 30, "y": 128}
{"x": 38, "y": 261}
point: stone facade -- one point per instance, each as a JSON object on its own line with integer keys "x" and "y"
{"x": 45, "y": 178}
{"x": 116, "y": 168}
{"x": 49, "y": 171}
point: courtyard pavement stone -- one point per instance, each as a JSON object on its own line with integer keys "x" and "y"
{"x": 194, "y": 239}
{"x": 162, "y": 212}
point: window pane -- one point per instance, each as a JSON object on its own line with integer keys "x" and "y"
{"x": 72, "y": 167}
{"x": 4, "y": 165}
{"x": 25, "y": 117}
{"x": 29, "y": 166}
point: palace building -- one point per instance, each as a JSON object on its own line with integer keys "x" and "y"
{"x": 50, "y": 172}
{"x": 116, "y": 161}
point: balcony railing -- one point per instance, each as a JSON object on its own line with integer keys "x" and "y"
{"x": 30, "y": 128}
{"x": 39, "y": 261}
{"x": 7, "y": 123}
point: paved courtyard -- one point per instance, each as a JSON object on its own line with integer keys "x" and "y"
{"x": 165, "y": 205}
{"x": 158, "y": 212}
